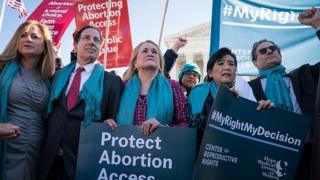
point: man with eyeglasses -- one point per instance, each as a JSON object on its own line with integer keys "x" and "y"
{"x": 295, "y": 91}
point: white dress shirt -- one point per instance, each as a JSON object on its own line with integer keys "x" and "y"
{"x": 244, "y": 89}
{"x": 88, "y": 68}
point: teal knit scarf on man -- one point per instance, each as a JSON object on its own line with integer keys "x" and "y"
{"x": 199, "y": 94}
{"x": 159, "y": 101}
{"x": 276, "y": 89}
{"x": 91, "y": 92}
{"x": 6, "y": 78}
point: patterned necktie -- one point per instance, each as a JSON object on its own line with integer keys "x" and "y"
{"x": 74, "y": 89}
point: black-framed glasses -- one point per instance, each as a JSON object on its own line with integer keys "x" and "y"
{"x": 263, "y": 51}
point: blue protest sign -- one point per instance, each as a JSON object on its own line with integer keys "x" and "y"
{"x": 242, "y": 143}
{"x": 124, "y": 153}
{"x": 237, "y": 24}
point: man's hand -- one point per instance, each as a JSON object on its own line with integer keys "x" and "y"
{"x": 310, "y": 17}
{"x": 265, "y": 104}
{"x": 234, "y": 91}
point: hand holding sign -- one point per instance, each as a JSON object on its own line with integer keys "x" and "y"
{"x": 149, "y": 126}
{"x": 124, "y": 153}
{"x": 111, "y": 123}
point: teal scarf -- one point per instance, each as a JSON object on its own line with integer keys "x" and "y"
{"x": 159, "y": 101}
{"x": 6, "y": 78}
{"x": 198, "y": 95}
{"x": 276, "y": 89}
{"x": 91, "y": 92}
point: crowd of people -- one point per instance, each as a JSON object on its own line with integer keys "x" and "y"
{"x": 43, "y": 105}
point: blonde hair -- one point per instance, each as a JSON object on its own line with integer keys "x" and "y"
{"x": 46, "y": 65}
{"x": 131, "y": 71}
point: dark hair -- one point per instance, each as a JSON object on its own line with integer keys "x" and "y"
{"x": 73, "y": 56}
{"x": 58, "y": 61}
{"x": 255, "y": 46}
{"x": 78, "y": 33}
{"x": 59, "y": 64}
{"x": 218, "y": 56}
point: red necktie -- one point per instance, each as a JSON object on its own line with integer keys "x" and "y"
{"x": 74, "y": 89}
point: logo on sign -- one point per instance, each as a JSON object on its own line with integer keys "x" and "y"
{"x": 272, "y": 168}
{"x": 281, "y": 167}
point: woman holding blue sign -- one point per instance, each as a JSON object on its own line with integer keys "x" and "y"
{"x": 150, "y": 99}
{"x": 221, "y": 70}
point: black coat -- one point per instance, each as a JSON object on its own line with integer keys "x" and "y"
{"x": 315, "y": 158}
{"x": 304, "y": 81}
{"x": 63, "y": 127}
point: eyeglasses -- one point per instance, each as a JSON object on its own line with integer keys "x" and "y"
{"x": 263, "y": 51}
{"x": 191, "y": 73}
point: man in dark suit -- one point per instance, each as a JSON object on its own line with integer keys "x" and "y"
{"x": 295, "y": 91}
{"x": 315, "y": 158}
{"x": 82, "y": 92}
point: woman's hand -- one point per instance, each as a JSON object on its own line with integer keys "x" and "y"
{"x": 9, "y": 131}
{"x": 265, "y": 104}
{"x": 111, "y": 123}
{"x": 149, "y": 126}
{"x": 234, "y": 91}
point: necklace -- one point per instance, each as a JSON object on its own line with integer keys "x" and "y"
{"x": 37, "y": 97}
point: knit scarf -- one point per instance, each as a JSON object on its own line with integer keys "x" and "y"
{"x": 276, "y": 89}
{"x": 91, "y": 92}
{"x": 198, "y": 95}
{"x": 159, "y": 101}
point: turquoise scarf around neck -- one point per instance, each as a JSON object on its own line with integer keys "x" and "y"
{"x": 159, "y": 101}
{"x": 276, "y": 89}
{"x": 91, "y": 92}
{"x": 6, "y": 78}
{"x": 199, "y": 94}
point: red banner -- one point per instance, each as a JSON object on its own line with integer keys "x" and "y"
{"x": 56, "y": 14}
{"x": 113, "y": 24}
